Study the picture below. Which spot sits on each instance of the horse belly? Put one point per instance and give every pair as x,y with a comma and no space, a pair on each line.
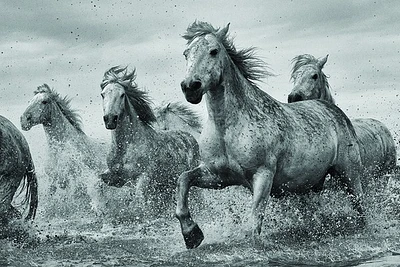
301,170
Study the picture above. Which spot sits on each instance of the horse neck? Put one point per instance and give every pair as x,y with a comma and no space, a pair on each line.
59,129
235,97
326,95
131,130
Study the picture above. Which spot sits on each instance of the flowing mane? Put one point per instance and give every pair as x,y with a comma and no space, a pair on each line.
251,67
64,103
138,98
306,59
188,116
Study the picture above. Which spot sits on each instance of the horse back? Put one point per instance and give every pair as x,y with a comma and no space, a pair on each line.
319,126
378,149
179,147
318,115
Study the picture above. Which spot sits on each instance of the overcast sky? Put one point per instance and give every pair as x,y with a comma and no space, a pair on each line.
69,44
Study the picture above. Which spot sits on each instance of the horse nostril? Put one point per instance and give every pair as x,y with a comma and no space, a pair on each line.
195,85
294,98
114,119
297,98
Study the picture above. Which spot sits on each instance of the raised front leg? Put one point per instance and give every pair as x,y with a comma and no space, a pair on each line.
202,177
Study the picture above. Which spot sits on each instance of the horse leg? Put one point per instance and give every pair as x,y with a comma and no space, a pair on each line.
8,186
262,184
351,181
202,177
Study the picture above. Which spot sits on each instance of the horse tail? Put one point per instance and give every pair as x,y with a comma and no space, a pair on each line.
31,195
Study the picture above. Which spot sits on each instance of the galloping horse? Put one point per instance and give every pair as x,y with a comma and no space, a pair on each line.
16,166
377,146
141,156
250,139
67,142
176,116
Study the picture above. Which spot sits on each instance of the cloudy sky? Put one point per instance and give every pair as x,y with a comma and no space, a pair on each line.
69,45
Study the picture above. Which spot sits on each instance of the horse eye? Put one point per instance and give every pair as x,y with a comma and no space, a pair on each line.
44,102
315,76
214,52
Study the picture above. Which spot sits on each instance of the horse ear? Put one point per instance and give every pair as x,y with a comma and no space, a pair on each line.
224,31
322,62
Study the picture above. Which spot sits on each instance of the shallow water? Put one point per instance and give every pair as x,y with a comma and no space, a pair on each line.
86,224
298,231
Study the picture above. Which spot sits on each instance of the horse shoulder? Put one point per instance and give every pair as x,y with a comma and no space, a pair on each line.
14,149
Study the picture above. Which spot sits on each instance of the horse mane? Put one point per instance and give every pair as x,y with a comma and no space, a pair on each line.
307,59
187,115
64,103
251,67
138,98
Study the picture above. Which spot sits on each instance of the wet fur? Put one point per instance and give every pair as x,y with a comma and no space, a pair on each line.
16,167
377,146
251,139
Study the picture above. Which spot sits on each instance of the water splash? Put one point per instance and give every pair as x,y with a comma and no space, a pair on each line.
87,223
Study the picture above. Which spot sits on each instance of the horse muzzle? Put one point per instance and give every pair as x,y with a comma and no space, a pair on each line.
110,121
295,98
192,91
26,123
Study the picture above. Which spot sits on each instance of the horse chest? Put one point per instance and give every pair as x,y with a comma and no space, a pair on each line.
240,147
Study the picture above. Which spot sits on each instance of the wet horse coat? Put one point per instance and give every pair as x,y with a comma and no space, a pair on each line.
377,146
251,139
176,116
16,167
69,146
141,156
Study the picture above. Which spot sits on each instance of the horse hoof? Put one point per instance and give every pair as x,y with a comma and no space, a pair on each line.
193,237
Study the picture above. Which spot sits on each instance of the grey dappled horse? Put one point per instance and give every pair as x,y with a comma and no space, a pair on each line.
140,155
16,168
377,146
250,139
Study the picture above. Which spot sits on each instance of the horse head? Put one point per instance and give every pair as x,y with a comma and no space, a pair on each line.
113,96
210,56
121,97
308,79
38,110
204,55
47,107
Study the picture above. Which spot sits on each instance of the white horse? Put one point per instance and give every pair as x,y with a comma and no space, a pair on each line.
377,146
70,148
140,155
250,139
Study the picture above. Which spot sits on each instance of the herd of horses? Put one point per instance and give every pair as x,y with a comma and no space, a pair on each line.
249,138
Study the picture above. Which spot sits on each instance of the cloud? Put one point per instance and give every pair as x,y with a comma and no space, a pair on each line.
69,44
